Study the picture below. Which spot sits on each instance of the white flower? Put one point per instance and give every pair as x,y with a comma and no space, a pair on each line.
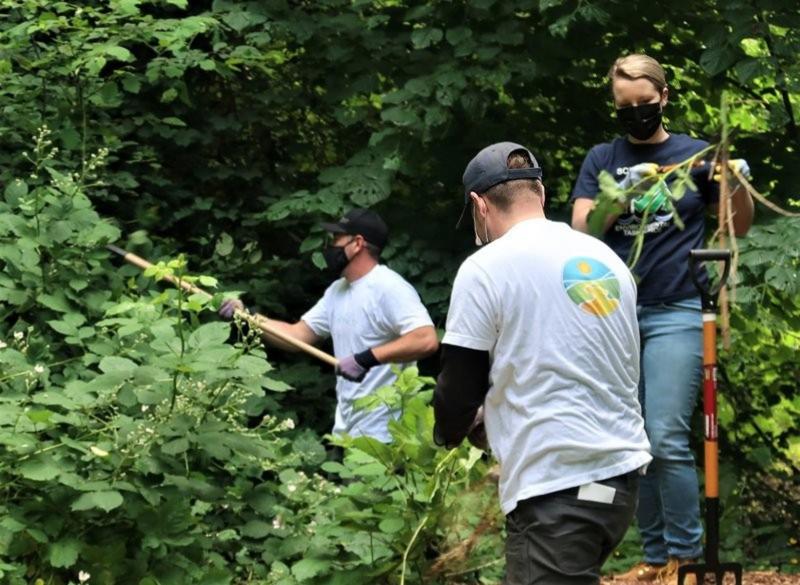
289,424
18,334
145,407
277,523
83,576
3,344
291,487
98,451
38,368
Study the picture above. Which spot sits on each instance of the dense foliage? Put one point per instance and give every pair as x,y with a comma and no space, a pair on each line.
141,444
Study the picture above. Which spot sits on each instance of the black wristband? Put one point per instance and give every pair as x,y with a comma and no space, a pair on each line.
366,359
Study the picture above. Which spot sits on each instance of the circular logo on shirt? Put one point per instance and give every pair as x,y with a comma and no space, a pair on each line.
591,285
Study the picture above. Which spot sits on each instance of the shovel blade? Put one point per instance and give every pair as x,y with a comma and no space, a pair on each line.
718,570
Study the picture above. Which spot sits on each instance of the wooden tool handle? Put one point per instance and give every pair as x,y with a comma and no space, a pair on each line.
256,320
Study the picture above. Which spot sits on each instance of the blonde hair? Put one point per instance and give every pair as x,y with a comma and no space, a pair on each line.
638,66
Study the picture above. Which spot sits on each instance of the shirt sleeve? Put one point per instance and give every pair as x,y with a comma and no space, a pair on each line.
460,390
588,186
317,318
405,311
471,321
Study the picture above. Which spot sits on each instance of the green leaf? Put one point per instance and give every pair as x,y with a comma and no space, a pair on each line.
176,447
117,365
257,529
119,53
15,190
105,500
422,38
210,335
64,553
39,469
128,7
178,3
173,121
717,59
224,245
169,96
306,569
391,525
56,301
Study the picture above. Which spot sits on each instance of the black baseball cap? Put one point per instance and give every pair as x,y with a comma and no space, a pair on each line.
490,168
363,222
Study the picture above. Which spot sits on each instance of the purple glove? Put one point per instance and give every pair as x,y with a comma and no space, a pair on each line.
229,307
355,367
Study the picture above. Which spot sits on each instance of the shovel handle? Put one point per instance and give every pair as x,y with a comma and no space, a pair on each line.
699,257
256,320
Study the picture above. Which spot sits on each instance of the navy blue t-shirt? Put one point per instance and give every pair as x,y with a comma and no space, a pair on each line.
663,267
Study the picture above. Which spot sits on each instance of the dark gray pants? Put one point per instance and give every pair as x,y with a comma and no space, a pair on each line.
558,539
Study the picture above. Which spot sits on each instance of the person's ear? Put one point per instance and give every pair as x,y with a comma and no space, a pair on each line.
664,96
544,197
478,202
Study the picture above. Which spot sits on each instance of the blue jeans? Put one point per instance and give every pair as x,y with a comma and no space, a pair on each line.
669,494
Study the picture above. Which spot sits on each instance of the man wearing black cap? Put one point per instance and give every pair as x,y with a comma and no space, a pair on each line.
373,315
541,358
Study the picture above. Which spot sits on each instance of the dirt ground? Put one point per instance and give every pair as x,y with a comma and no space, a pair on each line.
751,578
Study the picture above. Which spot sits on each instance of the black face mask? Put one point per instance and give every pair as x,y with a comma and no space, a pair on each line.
336,259
641,122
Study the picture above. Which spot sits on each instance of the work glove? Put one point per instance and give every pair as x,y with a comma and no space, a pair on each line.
476,434
636,176
229,307
735,164
355,367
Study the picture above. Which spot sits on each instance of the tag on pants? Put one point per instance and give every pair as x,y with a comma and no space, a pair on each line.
597,492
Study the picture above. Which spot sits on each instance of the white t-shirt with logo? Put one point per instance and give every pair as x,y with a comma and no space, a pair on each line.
556,310
371,311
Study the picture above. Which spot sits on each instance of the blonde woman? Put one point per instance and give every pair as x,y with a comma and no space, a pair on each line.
670,324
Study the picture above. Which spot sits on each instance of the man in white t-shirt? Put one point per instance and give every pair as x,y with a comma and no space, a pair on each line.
374,317
542,338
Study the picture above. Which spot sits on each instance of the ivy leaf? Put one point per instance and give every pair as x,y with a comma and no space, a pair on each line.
105,500
64,553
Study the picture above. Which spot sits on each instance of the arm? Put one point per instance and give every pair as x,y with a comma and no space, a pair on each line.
460,391
414,345
582,208
299,330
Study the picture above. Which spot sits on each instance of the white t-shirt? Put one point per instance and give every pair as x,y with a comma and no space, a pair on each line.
556,309
371,311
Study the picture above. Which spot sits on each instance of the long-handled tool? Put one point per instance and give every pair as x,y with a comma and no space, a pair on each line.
255,320
708,296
